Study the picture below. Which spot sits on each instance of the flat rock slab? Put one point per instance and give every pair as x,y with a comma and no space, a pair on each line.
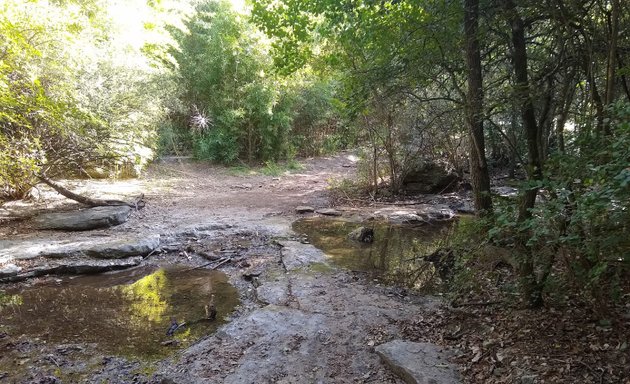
296,255
85,219
274,292
282,336
74,266
423,213
125,247
418,363
95,247
9,270
304,209
328,212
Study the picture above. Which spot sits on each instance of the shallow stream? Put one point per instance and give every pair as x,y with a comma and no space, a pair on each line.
395,256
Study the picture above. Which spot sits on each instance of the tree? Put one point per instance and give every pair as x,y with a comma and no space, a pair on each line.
75,91
397,52
474,115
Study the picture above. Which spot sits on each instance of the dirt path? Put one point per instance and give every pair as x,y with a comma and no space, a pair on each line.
301,320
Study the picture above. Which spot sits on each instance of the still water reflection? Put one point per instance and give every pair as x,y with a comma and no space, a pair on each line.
395,256
124,313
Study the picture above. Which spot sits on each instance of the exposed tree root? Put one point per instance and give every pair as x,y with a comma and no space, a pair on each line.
138,202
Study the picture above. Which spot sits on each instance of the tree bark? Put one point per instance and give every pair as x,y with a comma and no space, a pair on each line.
532,287
612,53
568,92
474,116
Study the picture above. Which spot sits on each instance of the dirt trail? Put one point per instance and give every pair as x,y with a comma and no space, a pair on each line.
301,320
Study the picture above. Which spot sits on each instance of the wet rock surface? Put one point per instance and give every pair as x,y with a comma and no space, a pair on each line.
76,266
325,333
418,363
85,219
296,255
87,246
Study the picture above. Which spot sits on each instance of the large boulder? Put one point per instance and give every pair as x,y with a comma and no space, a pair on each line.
85,219
428,178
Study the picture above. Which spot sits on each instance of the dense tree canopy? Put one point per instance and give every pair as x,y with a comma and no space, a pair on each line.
544,83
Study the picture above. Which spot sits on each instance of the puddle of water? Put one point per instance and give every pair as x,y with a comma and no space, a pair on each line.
126,313
393,256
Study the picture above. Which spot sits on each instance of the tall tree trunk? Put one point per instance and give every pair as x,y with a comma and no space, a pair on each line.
624,81
532,288
474,116
568,92
612,53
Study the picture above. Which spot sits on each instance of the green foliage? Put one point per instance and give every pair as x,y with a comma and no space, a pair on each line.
173,140
9,300
217,145
317,128
76,88
378,48
236,107
583,217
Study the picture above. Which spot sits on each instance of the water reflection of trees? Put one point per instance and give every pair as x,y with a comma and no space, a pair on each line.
148,298
396,256
7,300
121,312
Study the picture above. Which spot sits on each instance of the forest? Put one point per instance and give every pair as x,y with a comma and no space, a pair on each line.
534,94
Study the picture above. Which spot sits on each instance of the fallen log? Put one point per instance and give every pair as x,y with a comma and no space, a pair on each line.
137,204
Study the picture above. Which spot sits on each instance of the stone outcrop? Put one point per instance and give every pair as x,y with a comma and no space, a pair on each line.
421,214
362,234
85,219
429,178
304,209
95,247
328,212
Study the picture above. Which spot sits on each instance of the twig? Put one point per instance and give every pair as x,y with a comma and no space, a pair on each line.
153,252
476,303
52,358
221,263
